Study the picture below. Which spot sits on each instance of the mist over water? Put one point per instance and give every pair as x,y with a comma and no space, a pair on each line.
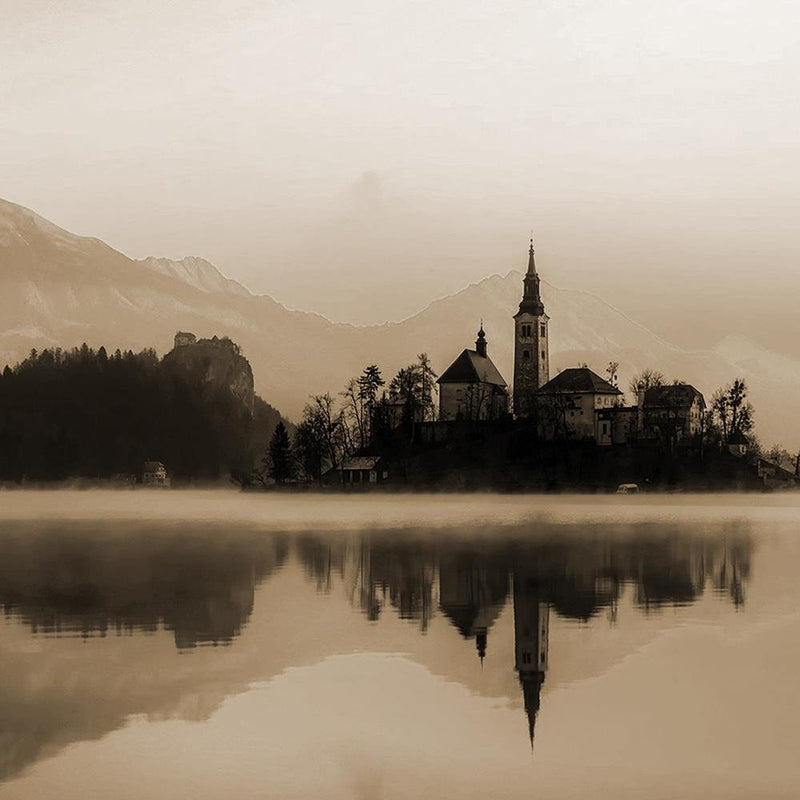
213,644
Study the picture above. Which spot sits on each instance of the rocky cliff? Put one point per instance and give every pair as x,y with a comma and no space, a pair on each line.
214,364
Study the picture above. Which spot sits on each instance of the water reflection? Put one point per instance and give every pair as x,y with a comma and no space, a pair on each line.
577,573
86,581
63,581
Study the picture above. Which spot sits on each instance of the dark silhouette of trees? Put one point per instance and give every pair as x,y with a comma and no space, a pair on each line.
414,387
732,411
85,413
321,440
280,466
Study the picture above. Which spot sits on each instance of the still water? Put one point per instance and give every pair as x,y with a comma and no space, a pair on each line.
212,644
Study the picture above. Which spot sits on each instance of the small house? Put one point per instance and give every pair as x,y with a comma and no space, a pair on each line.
738,444
358,471
154,473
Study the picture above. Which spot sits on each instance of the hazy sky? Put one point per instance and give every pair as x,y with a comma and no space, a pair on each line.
360,158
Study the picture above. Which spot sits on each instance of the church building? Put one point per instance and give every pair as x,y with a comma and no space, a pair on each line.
472,388
531,351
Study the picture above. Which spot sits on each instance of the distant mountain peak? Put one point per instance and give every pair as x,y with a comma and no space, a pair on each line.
18,223
197,272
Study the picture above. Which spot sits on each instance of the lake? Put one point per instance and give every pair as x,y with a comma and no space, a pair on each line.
192,644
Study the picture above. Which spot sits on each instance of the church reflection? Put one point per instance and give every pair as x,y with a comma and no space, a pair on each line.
531,635
575,576
201,583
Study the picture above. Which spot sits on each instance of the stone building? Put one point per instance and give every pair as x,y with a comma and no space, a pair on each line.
183,339
531,350
472,388
676,410
577,404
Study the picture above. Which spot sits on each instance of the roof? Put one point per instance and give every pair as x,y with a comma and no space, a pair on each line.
737,437
472,367
153,466
676,394
576,381
780,471
360,462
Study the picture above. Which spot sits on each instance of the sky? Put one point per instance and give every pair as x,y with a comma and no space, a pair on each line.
362,158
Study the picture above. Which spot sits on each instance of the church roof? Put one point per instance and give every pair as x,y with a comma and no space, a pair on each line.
471,367
467,618
578,380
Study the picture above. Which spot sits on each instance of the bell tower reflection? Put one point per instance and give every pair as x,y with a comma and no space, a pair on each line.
531,635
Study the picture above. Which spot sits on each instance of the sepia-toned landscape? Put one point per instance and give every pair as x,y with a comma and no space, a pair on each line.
399,400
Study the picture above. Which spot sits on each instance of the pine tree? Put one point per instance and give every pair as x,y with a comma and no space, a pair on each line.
280,459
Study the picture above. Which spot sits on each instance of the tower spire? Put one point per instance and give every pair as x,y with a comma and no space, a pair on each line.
531,260
531,361
531,299
480,342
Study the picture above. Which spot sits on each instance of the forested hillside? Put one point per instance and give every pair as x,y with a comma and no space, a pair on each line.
86,413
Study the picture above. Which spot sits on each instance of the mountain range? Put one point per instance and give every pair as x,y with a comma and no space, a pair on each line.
58,289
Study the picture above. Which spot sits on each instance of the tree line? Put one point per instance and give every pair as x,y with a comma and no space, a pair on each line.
85,413
360,420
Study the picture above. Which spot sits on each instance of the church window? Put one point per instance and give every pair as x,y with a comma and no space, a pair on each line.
542,330
526,355
542,355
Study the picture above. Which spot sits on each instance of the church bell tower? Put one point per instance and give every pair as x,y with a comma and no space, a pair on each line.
531,642
531,352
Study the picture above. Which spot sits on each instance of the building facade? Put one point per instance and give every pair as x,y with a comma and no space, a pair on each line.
577,404
531,343
472,388
676,410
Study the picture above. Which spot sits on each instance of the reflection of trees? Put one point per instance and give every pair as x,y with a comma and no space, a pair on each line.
573,572
578,572
81,582
403,574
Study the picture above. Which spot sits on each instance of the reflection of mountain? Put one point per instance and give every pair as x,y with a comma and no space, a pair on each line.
200,587
199,583
575,574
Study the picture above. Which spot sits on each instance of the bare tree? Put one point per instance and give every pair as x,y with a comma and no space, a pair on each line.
644,380
721,412
414,387
476,399
324,429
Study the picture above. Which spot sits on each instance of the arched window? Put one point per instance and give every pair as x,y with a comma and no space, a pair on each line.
543,330
525,355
